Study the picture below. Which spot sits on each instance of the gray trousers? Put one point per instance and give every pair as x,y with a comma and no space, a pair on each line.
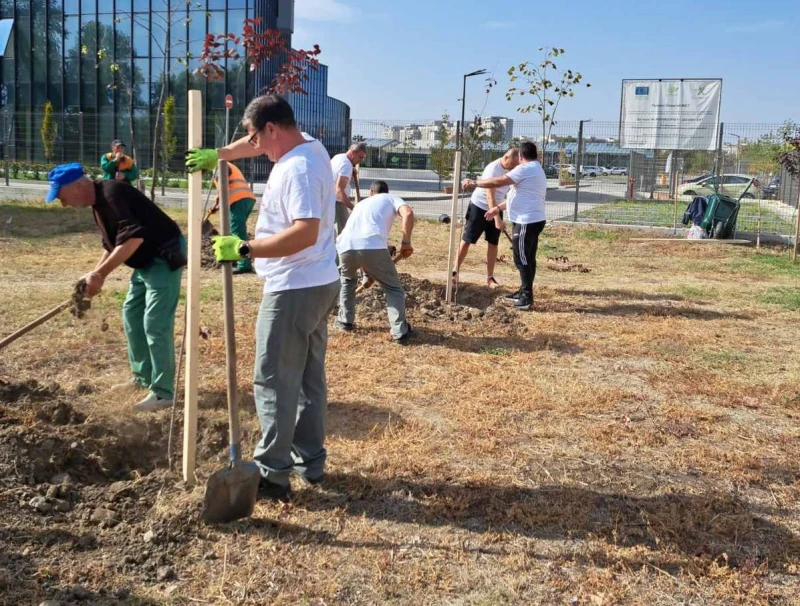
342,215
378,265
289,386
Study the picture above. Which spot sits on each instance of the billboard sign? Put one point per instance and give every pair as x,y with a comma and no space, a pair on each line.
670,114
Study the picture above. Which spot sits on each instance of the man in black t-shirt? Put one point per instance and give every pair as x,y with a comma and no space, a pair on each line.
138,233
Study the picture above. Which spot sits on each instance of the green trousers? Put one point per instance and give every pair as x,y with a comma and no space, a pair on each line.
148,317
240,211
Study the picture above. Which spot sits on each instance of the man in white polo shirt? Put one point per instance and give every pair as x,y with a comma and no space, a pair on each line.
526,209
363,245
343,166
477,224
294,253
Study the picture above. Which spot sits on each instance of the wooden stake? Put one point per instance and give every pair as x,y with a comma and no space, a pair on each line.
192,337
451,255
796,233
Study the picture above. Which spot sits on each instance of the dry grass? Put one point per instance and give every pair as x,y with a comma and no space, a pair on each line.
635,440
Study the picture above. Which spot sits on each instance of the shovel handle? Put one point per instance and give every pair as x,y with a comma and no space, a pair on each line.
230,333
37,322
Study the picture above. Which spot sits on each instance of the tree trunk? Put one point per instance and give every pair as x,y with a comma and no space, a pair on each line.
157,126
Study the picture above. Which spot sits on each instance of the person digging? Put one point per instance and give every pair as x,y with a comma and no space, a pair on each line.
241,201
137,233
294,254
363,245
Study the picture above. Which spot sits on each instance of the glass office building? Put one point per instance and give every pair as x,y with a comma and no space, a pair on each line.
103,63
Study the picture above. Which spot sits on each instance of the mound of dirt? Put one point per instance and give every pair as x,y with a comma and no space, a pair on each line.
77,486
424,304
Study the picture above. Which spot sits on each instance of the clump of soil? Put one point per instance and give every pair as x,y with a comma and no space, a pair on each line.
425,302
562,264
81,488
79,302
207,257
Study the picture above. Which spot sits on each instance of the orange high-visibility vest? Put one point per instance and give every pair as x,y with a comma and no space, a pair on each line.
122,165
238,188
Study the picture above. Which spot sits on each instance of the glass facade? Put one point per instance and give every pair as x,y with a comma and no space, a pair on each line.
103,65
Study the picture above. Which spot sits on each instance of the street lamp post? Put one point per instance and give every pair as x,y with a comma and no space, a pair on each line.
738,152
459,131
451,256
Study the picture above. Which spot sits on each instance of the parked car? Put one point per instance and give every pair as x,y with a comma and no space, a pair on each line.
606,171
551,171
730,185
592,171
770,190
696,179
619,170
571,171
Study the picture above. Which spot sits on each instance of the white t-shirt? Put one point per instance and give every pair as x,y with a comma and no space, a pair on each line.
342,167
300,186
526,199
370,223
493,169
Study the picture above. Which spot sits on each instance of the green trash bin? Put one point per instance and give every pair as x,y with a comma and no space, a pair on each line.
719,219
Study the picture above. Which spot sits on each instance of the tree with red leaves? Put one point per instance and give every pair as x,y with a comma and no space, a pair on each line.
259,46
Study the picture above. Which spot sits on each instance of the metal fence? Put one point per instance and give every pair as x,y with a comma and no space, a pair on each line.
591,179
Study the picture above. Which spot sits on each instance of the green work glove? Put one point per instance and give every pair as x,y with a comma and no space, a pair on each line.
226,248
201,159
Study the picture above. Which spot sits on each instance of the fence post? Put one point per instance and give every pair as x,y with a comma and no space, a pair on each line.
578,161
80,137
720,154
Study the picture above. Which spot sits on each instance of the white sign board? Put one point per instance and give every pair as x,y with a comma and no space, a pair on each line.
670,114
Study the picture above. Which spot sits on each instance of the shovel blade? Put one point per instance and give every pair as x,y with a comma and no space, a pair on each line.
231,493
208,229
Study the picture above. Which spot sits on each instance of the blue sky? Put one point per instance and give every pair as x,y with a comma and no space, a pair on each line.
404,59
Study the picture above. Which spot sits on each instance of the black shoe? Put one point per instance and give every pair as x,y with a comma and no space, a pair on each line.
344,326
513,296
407,336
274,492
523,303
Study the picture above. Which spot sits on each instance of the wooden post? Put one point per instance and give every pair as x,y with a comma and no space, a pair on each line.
451,255
796,233
192,337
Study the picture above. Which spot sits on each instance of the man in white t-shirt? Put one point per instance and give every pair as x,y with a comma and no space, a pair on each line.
363,245
526,209
294,253
343,166
477,224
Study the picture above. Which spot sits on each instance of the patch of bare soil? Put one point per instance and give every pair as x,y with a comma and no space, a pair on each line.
476,305
75,488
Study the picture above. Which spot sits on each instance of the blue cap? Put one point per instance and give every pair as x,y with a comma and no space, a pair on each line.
62,175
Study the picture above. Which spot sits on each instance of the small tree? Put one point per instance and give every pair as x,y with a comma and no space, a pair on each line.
472,142
169,141
49,131
546,92
441,155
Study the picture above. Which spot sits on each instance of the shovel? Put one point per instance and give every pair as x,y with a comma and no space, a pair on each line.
230,492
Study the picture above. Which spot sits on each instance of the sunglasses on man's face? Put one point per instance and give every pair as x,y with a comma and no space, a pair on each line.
253,140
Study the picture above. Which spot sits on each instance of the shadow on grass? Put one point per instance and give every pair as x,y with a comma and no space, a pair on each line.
497,345
631,295
357,420
708,525
638,309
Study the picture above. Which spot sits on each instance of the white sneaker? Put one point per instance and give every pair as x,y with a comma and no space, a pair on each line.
152,403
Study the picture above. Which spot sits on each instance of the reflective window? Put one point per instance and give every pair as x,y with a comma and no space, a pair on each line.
141,39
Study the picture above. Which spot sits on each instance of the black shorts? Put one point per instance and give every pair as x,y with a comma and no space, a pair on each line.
477,225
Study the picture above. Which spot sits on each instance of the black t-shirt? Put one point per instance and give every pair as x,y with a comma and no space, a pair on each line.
123,212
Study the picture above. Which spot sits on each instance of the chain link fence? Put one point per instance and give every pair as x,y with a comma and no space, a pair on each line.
591,179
